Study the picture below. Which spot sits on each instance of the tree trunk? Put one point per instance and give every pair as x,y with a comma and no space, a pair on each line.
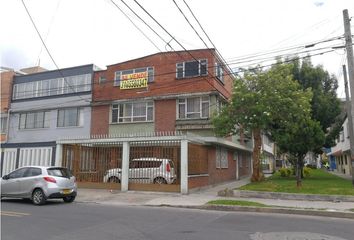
257,173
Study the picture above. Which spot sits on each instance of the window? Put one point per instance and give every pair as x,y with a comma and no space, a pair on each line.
102,79
118,74
52,87
32,172
193,108
221,158
32,120
3,123
59,172
219,71
18,173
192,69
69,117
132,112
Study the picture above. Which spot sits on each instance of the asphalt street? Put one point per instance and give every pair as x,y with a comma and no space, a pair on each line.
87,221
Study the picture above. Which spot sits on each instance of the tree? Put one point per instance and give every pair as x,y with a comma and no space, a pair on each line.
263,100
299,137
325,105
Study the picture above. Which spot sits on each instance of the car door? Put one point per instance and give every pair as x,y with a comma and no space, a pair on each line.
10,185
29,180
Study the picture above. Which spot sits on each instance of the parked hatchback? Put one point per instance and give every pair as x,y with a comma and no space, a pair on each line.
39,184
145,170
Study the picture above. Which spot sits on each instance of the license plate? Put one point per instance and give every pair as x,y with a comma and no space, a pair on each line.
66,191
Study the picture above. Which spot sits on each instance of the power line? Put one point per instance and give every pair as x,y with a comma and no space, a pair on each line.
44,91
45,46
141,31
201,27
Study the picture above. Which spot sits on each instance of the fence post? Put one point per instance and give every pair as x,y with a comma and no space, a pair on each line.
184,166
125,167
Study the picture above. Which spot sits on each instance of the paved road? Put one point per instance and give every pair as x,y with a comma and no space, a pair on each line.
87,221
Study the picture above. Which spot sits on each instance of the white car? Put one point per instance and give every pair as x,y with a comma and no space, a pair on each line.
39,184
145,170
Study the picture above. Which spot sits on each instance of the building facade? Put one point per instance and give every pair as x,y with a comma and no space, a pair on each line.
45,107
341,151
6,79
167,93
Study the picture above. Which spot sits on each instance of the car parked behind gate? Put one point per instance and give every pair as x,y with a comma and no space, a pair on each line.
39,184
145,170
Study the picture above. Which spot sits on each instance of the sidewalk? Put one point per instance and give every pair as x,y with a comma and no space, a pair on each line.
198,199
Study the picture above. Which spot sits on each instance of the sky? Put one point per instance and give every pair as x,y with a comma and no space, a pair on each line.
78,32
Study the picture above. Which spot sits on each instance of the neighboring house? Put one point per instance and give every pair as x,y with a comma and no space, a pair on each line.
268,154
159,102
45,107
341,151
6,77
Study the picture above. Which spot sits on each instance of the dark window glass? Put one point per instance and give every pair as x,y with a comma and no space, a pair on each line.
191,69
32,172
18,173
59,172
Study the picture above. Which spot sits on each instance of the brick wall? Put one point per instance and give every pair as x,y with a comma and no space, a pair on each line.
217,175
100,120
165,115
165,81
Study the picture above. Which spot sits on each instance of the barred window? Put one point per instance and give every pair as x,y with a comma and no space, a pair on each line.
221,158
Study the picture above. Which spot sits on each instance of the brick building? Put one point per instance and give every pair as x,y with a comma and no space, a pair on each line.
172,92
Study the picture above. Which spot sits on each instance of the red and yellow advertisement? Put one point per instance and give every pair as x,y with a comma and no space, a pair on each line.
134,80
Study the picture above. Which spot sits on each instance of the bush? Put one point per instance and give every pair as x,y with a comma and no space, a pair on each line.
311,166
285,172
307,171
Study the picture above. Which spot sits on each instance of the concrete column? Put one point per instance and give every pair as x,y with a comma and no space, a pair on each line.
59,155
184,167
125,167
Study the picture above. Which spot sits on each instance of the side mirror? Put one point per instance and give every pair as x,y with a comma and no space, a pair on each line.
6,177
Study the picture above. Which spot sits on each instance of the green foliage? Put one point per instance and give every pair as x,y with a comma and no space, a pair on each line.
319,182
263,100
307,172
237,203
325,106
285,172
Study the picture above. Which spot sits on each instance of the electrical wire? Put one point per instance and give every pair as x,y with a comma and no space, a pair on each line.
44,44
141,31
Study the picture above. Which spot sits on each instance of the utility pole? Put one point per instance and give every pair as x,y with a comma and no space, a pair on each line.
349,115
350,59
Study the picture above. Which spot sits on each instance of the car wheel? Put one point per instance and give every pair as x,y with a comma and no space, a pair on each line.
38,197
160,180
69,199
114,180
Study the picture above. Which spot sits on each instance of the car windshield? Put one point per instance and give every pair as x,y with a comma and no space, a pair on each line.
59,172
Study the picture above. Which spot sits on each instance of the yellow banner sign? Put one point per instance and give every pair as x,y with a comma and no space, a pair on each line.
134,80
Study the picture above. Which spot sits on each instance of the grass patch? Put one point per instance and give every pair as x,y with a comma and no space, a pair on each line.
320,182
237,203
352,209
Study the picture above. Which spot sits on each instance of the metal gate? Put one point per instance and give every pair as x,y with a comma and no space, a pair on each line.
153,165
94,166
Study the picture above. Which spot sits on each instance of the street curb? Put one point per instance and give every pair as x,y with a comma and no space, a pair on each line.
306,212
292,196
